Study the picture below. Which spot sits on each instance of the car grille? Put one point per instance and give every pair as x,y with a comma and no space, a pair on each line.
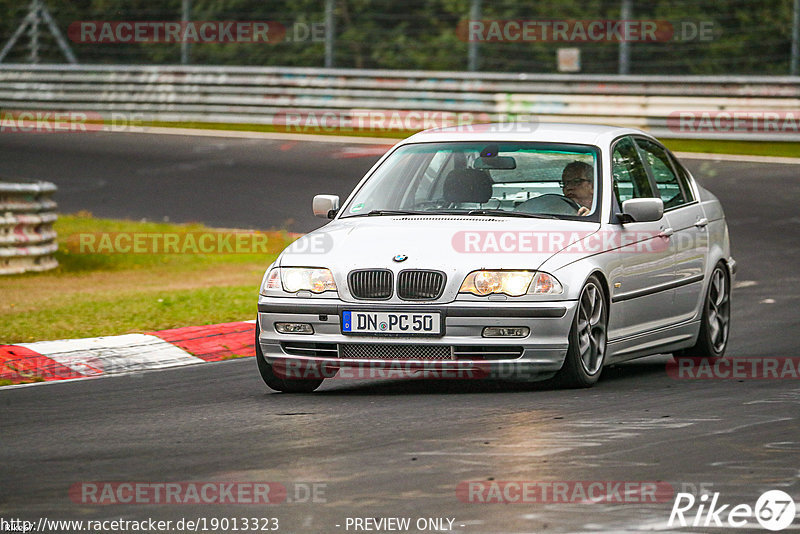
385,351
420,285
373,284
311,350
486,352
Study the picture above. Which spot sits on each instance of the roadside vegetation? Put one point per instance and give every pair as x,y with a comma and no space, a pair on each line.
710,146
111,292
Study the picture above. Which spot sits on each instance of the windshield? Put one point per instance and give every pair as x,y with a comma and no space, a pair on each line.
509,178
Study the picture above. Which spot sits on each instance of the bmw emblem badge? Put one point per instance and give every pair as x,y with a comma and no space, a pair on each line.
400,257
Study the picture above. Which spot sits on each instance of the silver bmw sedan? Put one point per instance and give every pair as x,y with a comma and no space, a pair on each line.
512,251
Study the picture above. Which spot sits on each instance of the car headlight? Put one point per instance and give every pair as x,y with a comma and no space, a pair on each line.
294,279
511,283
545,284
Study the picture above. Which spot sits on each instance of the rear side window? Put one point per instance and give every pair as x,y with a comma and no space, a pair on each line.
669,189
684,179
628,173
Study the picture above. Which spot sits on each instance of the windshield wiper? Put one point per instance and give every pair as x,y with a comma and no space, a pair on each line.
500,212
392,212
509,213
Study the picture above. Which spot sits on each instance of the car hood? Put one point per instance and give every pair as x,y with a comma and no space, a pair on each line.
446,243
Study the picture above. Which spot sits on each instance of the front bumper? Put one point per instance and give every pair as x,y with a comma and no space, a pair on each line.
539,354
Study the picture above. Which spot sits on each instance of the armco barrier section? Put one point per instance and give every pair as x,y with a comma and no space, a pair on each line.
27,238
264,95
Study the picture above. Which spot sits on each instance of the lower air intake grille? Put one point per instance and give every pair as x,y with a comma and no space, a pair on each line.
385,351
486,352
312,350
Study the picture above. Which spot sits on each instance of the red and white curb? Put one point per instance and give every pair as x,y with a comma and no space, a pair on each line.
71,359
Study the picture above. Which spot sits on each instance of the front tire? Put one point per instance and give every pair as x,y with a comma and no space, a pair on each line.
271,379
587,339
715,322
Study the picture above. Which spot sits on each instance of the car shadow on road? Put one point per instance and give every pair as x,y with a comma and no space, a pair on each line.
649,369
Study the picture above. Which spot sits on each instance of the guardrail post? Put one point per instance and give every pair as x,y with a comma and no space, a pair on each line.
330,31
794,64
624,44
27,238
473,51
186,14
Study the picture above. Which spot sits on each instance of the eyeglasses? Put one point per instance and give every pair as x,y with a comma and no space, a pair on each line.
574,182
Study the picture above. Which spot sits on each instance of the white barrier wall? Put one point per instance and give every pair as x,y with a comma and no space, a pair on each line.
27,238
267,95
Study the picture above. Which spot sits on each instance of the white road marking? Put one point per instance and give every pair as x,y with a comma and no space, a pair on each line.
236,134
391,141
113,355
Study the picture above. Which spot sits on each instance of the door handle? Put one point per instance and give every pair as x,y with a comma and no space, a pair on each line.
666,232
701,222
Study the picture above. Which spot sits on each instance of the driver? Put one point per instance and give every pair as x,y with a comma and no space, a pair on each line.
577,182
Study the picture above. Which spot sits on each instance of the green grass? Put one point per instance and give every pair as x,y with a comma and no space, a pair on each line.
119,312
118,293
239,127
73,259
751,148
711,146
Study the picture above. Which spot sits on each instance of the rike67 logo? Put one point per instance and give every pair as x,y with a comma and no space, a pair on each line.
774,510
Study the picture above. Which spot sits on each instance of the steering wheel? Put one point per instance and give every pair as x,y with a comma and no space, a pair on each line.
550,203
428,205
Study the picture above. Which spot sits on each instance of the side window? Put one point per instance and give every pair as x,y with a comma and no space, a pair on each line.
429,177
669,189
629,177
684,179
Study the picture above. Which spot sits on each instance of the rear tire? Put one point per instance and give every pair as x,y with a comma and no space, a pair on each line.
716,319
587,339
271,379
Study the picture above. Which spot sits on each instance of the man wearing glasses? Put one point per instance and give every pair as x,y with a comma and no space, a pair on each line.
577,182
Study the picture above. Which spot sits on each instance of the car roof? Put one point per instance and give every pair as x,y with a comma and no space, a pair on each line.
550,132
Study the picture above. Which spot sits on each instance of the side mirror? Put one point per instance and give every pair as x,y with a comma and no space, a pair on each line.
642,210
325,206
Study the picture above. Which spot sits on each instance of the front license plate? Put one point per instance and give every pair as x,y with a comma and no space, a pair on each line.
399,323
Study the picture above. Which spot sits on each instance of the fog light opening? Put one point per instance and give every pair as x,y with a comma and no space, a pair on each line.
506,331
294,328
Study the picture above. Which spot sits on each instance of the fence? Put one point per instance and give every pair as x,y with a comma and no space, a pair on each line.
710,37
27,238
119,95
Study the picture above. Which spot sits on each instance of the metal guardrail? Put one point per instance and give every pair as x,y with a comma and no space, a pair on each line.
264,95
27,238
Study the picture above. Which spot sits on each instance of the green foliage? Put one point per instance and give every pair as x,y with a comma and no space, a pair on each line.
747,37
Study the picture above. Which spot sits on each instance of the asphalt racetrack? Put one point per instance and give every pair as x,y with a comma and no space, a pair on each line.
381,449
